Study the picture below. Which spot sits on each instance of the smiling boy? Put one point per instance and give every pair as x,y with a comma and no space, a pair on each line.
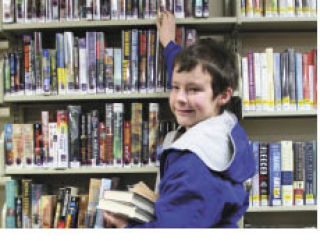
208,158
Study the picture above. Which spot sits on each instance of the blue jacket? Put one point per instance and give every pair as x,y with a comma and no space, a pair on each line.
202,172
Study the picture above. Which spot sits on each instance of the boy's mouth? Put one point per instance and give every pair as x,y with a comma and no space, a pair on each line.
185,112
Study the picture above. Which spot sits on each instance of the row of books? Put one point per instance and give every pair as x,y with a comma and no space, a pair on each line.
286,174
285,81
74,10
80,65
34,205
78,139
278,8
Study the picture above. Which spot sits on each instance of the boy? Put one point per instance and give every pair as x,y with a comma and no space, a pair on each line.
206,161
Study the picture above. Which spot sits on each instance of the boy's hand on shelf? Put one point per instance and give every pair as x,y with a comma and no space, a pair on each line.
167,27
113,220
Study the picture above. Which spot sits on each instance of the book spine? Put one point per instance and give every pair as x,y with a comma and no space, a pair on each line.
255,179
191,36
179,9
18,212
105,185
206,10
151,40
270,81
55,10
26,203
127,143
89,139
83,139
62,131
292,78
17,145
10,194
145,143
100,55
91,63
298,174
69,61
12,72
76,65
263,174
109,134
58,210
45,136
95,138
146,9
277,81
126,60
153,132
83,204
74,114
122,8
8,11
38,57
53,145
252,94
249,8
36,192
6,71
135,60
142,61
108,69
62,85
310,180
257,81
105,9
118,134
76,10
114,10
117,70
38,145
53,72
198,8
28,147
48,203
287,173
275,174
245,84
72,212
83,71
89,9
45,73
136,133
96,10
284,58
102,144
135,9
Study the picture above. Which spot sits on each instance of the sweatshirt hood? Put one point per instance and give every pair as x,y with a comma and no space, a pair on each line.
221,143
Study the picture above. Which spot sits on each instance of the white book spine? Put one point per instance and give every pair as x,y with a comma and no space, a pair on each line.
290,8
249,8
269,55
53,145
96,10
89,7
45,136
264,86
62,131
83,71
8,11
114,10
28,145
245,84
69,60
179,8
257,79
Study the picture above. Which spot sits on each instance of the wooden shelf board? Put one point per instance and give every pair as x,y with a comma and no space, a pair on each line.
83,170
83,97
282,209
257,114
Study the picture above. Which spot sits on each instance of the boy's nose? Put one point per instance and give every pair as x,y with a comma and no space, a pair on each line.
182,96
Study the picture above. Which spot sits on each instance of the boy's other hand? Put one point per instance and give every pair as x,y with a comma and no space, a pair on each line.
167,27
113,220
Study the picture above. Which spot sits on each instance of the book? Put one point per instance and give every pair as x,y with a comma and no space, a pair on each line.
142,189
287,173
130,197
125,210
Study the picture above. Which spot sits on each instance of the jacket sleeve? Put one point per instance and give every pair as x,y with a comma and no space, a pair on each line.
186,201
169,53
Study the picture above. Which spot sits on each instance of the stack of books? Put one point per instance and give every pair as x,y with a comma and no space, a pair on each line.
136,204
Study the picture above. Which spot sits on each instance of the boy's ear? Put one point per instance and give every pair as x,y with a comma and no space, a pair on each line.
225,97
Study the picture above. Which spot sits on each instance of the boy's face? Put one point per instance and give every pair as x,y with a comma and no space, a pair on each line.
191,97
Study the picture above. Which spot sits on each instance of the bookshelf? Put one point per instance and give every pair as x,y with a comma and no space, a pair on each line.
247,33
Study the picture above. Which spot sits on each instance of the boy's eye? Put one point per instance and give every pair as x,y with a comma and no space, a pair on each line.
175,87
194,89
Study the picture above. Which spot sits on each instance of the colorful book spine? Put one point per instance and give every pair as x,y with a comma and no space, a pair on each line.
38,145
28,145
118,134
72,212
109,134
94,191
105,185
17,146
53,72
45,71
91,40
142,61
58,209
102,144
61,75
252,94
151,54
62,131
108,69
275,174
74,114
83,139
48,204
127,143
10,195
45,136
135,60
36,192
153,132
83,204
69,60
126,60
287,173
136,133
26,203
38,57
100,63
310,178
245,84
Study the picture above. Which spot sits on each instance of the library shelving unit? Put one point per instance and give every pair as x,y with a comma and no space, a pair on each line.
244,34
